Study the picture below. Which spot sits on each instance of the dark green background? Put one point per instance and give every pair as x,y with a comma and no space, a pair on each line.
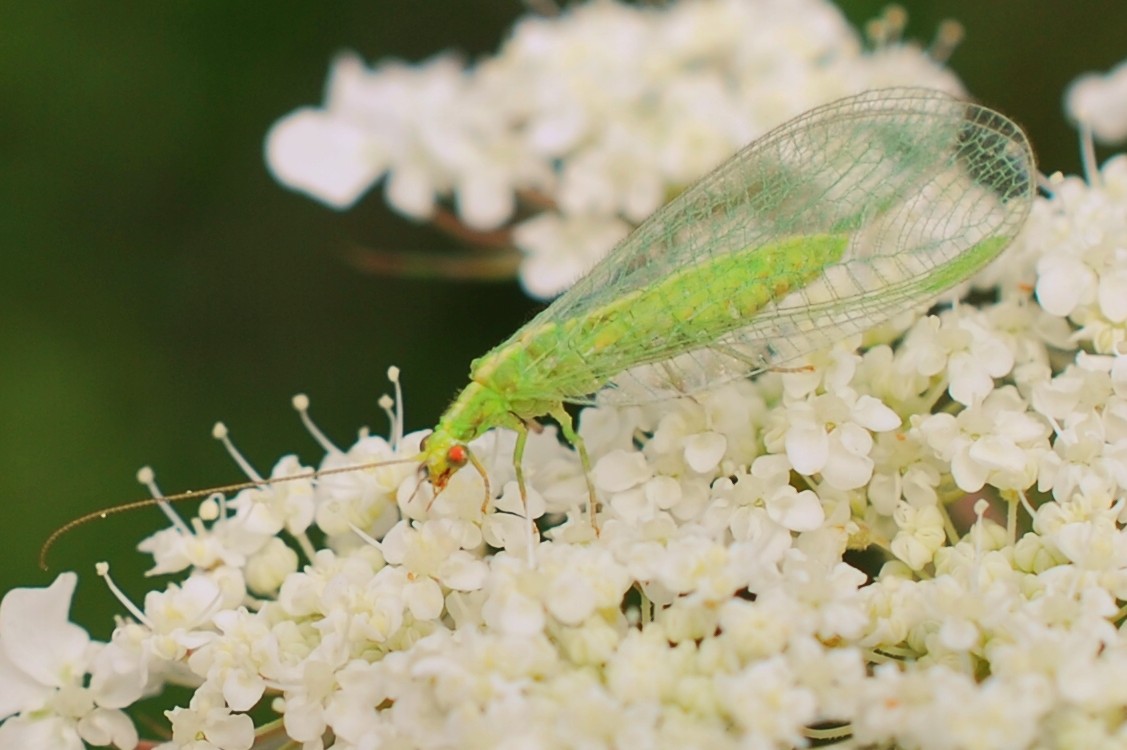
155,279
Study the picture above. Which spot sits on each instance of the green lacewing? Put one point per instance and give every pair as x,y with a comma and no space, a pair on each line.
826,226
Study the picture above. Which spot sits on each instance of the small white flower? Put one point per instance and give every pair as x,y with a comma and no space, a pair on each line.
920,534
226,542
233,664
830,434
828,590
997,441
207,725
433,555
962,345
362,499
904,469
287,504
178,619
269,567
616,175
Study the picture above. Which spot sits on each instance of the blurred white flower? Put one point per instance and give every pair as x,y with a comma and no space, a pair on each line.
560,249
45,661
1100,102
590,119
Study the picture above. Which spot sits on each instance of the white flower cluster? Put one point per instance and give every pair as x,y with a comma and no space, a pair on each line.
918,546
582,124
979,461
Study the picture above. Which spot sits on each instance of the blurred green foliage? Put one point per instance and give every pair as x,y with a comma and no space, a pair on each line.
155,279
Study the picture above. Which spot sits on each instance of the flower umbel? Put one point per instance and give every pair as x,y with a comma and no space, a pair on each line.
912,541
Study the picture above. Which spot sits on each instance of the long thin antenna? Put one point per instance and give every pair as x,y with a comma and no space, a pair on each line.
114,510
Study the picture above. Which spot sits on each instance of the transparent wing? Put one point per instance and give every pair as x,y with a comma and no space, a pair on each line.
925,189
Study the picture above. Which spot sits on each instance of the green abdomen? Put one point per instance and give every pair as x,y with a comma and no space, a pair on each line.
686,310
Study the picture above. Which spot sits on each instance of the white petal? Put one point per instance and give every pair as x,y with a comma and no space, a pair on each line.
807,448
883,493
797,511
485,199
530,506
37,636
996,358
1113,295
21,692
241,690
847,471
969,382
410,190
968,474
235,732
871,413
663,492
463,572
958,634
997,452
1119,374
1020,427
555,131
545,275
704,450
118,677
940,431
1061,285
423,597
396,542
323,156
514,614
52,732
620,470
104,726
853,438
